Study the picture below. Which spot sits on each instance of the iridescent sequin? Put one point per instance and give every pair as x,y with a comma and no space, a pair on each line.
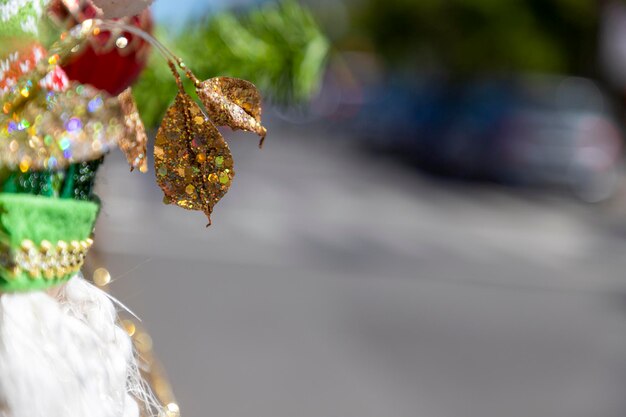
47,260
52,130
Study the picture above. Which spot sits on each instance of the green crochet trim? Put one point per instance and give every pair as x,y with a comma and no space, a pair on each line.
35,218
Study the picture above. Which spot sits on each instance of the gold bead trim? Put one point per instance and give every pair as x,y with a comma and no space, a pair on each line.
49,261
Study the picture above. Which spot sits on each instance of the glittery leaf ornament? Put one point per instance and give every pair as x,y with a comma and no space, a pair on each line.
234,103
133,144
193,164
45,129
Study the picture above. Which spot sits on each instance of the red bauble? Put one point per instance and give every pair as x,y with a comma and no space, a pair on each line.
101,63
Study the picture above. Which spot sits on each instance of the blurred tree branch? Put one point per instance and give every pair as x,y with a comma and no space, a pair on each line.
465,37
279,47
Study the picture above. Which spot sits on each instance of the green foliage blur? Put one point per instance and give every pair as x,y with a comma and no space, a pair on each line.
279,47
470,36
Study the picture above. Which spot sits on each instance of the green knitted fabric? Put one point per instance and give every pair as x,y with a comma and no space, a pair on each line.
36,218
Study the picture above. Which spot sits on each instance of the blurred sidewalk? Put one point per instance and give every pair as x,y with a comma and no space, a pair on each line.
338,284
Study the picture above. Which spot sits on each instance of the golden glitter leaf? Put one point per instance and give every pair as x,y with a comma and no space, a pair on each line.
50,130
234,103
193,164
134,143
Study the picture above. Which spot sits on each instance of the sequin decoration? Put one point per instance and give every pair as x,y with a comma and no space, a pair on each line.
81,178
47,260
193,164
134,143
44,183
234,103
51,130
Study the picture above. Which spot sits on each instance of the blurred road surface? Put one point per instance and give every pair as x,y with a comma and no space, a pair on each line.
338,284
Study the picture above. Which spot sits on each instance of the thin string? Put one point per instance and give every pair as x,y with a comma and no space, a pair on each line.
165,52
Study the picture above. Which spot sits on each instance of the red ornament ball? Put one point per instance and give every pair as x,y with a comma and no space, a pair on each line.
112,60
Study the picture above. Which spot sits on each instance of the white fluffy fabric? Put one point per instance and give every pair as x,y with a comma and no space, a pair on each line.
121,8
66,357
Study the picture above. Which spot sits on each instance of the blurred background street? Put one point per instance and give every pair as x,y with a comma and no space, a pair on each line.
337,283
440,233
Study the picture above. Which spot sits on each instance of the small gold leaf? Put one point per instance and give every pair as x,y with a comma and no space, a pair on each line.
193,164
135,140
234,103
50,130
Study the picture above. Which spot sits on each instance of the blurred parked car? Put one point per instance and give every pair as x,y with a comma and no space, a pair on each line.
526,130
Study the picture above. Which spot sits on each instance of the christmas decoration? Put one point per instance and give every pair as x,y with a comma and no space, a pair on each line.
47,130
113,59
194,173
54,133
234,103
64,104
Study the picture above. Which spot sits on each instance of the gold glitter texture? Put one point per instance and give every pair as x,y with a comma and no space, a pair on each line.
47,260
42,129
50,130
186,154
234,103
133,144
